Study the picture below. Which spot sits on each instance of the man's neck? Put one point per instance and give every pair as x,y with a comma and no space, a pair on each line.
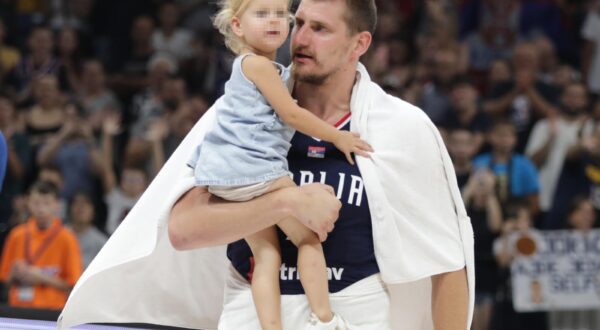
329,100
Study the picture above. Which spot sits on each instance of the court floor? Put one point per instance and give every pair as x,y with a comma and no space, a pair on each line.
22,324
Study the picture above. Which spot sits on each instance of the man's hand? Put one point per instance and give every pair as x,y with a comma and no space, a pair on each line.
316,207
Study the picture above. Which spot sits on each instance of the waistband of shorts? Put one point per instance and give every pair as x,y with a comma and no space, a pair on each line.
368,285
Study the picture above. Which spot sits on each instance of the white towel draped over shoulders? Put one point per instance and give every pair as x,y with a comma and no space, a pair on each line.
420,229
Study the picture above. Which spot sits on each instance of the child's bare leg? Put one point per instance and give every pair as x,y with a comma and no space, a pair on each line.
265,277
311,267
311,261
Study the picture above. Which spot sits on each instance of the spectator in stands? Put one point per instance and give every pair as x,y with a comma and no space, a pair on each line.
435,99
69,13
39,62
131,75
69,54
590,61
516,176
582,218
200,70
462,148
51,173
524,99
197,17
551,139
94,98
465,112
120,198
490,42
518,225
182,121
565,75
41,260
150,103
580,176
500,73
438,26
547,58
47,115
74,152
81,218
169,38
484,210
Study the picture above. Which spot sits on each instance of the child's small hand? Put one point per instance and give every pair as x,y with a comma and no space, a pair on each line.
349,142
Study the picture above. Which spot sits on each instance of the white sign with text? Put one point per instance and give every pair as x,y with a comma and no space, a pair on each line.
556,270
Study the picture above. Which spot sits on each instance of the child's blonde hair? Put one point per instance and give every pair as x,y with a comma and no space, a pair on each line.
222,21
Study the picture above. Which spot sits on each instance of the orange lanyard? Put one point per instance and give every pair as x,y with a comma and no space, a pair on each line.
31,258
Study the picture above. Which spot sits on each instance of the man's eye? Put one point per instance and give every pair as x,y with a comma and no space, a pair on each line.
281,14
261,13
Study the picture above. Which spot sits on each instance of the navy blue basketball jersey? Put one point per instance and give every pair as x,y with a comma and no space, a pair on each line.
349,252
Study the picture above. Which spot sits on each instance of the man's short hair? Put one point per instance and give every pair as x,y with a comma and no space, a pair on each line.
44,188
360,16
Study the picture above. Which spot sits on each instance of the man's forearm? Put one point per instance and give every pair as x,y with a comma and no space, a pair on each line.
199,219
450,300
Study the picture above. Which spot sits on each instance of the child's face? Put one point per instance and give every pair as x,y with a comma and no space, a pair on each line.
503,138
43,207
584,217
263,26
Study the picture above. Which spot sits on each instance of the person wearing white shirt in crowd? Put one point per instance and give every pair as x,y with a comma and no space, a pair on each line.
551,139
590,62
169,38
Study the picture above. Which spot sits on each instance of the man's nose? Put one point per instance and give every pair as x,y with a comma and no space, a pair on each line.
301,36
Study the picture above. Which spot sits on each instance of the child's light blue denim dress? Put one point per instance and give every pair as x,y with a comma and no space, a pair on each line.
248,143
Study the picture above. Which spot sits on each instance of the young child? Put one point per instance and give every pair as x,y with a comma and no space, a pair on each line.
41,260
244,156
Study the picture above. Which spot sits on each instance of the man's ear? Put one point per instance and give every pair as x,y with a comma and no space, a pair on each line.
362,43
236,27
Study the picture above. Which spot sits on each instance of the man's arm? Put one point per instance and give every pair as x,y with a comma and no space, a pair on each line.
450,300
200,219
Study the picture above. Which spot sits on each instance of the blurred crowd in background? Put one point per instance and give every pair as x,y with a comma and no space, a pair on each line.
96,95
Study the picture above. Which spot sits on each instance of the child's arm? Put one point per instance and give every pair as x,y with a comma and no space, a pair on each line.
263,74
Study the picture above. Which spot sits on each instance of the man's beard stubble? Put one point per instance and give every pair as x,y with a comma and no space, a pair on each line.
311,79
